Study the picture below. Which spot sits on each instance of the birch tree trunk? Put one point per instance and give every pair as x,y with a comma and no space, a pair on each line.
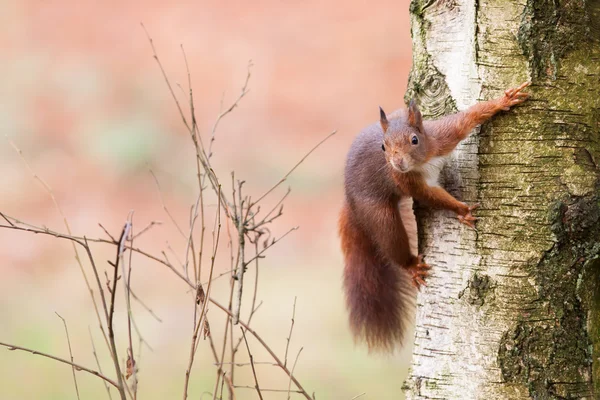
512,310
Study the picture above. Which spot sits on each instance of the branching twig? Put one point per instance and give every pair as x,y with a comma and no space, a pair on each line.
76,366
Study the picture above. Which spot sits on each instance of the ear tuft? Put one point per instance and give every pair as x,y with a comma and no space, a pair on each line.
383,120
414,115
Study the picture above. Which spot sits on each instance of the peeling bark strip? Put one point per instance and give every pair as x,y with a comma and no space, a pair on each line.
512,311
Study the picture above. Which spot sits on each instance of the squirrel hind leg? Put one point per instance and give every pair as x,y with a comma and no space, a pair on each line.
379,295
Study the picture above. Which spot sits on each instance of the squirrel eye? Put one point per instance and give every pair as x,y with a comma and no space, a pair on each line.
414,140
383,147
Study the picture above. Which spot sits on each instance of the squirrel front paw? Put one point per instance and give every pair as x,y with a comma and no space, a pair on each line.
419,271
466,217
512,97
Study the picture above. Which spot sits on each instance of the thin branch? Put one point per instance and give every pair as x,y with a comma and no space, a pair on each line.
270,245
162,200
293,368
146,229
252,364
113,293
150,311
202,319
68,227
98,362
190,239
358,395
174,270
287,346
248,364
229,385
253,308
241,227
294,168
70,353
267,390
131,366
77,366
155,55
107,233
244,91
6,219
201,156
267,348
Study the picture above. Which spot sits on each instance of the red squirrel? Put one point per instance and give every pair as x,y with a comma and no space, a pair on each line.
388,162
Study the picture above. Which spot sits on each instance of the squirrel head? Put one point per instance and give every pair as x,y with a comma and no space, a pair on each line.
404,140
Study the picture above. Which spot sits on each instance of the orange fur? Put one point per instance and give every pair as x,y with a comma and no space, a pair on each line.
377,225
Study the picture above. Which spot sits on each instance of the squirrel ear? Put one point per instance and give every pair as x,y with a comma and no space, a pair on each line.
383,120
414,115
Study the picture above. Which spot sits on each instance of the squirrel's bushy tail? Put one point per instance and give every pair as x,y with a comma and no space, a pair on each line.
379,294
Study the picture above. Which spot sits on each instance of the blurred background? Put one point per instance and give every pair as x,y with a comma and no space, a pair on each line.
85,102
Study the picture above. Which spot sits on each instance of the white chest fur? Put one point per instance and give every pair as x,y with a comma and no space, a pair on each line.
431,170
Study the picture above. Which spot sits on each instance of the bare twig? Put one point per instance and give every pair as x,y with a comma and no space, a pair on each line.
358,395
241,227
162,201
150,311
77,366
110,317
191,284
107,233
6,219
222,114
252,364
202,318
259,255
155,55
266,347
68,227
131,365
293,368
248,364
229,385
267,390
287,346
146,229
70,352
293,168
98,362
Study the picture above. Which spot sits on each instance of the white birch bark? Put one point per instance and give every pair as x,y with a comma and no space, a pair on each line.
509,311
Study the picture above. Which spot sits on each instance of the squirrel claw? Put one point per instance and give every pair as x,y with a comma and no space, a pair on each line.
514,96
468,218
419,272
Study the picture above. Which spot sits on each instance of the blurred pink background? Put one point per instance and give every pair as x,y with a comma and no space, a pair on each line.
85,101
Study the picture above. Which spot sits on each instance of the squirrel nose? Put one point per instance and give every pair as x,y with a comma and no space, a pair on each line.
403,165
